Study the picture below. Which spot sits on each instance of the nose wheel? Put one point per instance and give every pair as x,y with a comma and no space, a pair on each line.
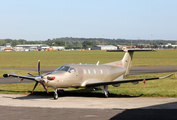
55,94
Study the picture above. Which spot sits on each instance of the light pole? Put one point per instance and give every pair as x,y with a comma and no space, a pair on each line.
152,40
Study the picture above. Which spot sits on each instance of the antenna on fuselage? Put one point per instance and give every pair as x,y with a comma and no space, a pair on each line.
98,63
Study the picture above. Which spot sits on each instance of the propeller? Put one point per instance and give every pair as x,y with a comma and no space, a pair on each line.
39,76
35,86
43,86
30,74
38,67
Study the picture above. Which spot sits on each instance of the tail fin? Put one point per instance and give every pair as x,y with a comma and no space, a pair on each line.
126,60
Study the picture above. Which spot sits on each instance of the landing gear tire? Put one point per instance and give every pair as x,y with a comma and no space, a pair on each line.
55,96
106,94
105,91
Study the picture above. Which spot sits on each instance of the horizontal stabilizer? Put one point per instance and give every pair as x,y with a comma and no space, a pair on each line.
131,50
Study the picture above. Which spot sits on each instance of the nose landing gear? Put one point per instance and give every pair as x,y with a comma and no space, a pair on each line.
56,92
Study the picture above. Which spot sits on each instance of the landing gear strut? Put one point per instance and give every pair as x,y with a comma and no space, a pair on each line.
55,94
105,90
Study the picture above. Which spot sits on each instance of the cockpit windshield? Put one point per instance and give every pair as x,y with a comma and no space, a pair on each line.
58,68
62,68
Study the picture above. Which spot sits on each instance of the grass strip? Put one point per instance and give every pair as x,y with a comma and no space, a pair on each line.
58,58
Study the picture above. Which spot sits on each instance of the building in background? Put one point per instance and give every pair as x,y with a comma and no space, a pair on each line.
33,47
144,46
168,45
2,48
18,49
58,48
8,47
104,47
123,47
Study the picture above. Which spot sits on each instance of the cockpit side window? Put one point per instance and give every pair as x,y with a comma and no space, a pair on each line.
72,70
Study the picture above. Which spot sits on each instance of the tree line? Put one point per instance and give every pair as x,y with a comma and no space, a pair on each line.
77,43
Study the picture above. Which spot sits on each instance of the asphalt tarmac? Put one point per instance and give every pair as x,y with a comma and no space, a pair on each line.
22,107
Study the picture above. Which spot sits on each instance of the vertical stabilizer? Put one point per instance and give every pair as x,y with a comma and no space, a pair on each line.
126,60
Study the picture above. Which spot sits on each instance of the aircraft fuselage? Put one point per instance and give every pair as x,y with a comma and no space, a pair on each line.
76,75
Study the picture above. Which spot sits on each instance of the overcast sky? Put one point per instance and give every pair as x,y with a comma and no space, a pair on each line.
126,19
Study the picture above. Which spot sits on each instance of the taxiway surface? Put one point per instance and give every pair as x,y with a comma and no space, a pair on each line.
31,107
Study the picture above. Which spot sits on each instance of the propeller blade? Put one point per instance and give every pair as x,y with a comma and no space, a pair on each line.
43,86
30,74
35,86
38,67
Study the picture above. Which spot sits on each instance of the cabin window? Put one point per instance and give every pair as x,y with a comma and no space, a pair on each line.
94,71
88,71
72,70
85,71
101,71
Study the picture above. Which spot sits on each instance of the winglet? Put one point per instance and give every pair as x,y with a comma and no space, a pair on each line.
12,73
98,63
166,76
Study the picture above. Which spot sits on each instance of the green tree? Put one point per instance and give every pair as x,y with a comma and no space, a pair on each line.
22,41
2,42
87,44
169,47
14,43
59,43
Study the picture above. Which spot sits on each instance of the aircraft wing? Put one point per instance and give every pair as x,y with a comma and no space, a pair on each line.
12,74
124,81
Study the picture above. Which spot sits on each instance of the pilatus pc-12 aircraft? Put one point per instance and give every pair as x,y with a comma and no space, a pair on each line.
86,76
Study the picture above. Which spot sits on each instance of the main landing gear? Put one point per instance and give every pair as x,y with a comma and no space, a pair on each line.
105,90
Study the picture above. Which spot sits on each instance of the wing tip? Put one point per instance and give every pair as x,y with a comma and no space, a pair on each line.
12,73
166,76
